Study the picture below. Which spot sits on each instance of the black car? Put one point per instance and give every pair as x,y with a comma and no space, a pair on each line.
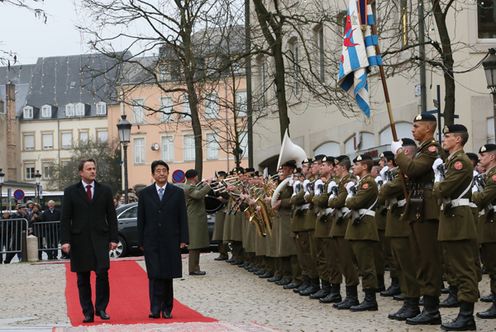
127,219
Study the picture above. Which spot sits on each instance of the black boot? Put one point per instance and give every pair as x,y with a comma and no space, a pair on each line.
369,302
409,309
399,297
464,321
381,287
430,314
304,284
284,281
452,300
323,292
488,298
275,278
266,275
292,285
259,272
489,313
313,288
350,300
392,290
334,296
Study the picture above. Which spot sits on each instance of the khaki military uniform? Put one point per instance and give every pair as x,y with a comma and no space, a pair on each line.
382,249
398,232
339,223
457,231
422,212
486,201
362,229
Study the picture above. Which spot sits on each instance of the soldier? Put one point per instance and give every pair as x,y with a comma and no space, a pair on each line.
235,231
422,212
457,231
338,230
397,232
486,227
362,229
220,216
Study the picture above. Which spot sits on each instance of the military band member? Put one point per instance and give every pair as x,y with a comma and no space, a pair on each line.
235,231
362,229
422,212
486,227
220,216
380,220
457,231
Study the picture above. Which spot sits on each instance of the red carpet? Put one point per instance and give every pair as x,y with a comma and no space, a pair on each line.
129,303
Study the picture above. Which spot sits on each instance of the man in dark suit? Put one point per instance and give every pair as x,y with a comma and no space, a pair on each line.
162,232
51,214
88,232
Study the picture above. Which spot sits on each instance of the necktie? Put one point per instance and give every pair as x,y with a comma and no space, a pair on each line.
88,191
161,193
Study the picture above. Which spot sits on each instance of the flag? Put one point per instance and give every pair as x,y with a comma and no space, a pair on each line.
358,54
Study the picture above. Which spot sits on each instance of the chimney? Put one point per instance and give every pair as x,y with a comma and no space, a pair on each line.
13,160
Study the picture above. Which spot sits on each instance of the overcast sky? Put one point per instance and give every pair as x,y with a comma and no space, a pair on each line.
26,35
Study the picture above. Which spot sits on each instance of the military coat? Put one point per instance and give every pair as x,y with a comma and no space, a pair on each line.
197,215
338,222
486,226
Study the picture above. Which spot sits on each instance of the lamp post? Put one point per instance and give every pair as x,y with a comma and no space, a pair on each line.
490,69
124,128
2,178
37,178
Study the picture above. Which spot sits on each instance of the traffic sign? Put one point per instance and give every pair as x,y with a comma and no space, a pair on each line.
178,176
18,194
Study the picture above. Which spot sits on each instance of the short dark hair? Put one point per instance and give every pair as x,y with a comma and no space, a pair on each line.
84,161
346,163
156,163
463,136
190,173
368,162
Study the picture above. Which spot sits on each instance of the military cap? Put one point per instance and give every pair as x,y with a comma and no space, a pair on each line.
329,159
424,116
249,170
454,128
289,163
388,155
340,158
307,161
297,170
473,157
408,142
191,173
221,173
487,148
362,157
238,170
319,157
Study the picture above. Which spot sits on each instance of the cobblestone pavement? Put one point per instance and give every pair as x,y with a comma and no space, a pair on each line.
32,298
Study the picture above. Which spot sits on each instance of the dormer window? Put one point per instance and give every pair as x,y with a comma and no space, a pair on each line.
69,110
101,108
46,111
27,112
80,109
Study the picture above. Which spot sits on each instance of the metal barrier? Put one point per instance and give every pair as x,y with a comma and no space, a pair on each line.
13,233
47,233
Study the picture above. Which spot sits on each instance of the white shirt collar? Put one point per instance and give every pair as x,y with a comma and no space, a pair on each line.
92,184
157,187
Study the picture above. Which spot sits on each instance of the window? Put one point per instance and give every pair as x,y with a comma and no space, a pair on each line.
186,108
47,140
404,129
243,143
84,136
189,147
27,112
66,138
138,111
328,148
212,106
262,76
241,103
359,141
101,135
295,64
404,22
139,150
130,213
80,109
101,108
46,111
212,147
490,130
168,148
319,42
47,169
28,141
69,110
486,18
166,108
29,171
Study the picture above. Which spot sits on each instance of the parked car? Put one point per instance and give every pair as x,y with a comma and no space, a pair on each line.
127,220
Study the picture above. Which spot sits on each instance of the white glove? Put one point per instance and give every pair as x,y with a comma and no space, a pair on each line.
395,145
438,176
382,173
348,187
316,187
475,188
331,185
295,186
379,180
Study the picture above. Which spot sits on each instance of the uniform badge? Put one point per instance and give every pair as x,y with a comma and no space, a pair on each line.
458,165
432,148
365,186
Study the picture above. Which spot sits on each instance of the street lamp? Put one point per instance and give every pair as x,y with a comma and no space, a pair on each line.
490,69
37,178
124,128
2,178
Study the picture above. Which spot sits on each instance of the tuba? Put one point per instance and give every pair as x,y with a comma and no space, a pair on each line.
290,151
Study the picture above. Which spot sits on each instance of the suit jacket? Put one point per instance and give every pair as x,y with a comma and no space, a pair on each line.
88,226
51,216
162,226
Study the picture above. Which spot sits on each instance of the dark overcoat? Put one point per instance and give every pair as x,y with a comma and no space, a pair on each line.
88,226
162,227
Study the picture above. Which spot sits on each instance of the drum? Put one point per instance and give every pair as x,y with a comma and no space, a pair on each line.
212,204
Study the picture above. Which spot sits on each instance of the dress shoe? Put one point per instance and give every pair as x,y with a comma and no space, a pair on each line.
154,316
197,273
275,278
167,314
88,319
292,285
284,281
102,314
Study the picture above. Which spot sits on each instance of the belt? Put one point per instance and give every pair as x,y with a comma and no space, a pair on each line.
304,207
402,202
366,212
329,211
460,202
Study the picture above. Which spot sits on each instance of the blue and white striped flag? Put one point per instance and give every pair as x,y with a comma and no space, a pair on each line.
358,55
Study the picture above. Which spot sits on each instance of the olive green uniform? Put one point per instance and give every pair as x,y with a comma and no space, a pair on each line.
422,212
457,231
362,229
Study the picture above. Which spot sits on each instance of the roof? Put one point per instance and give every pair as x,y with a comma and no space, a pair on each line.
20,76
